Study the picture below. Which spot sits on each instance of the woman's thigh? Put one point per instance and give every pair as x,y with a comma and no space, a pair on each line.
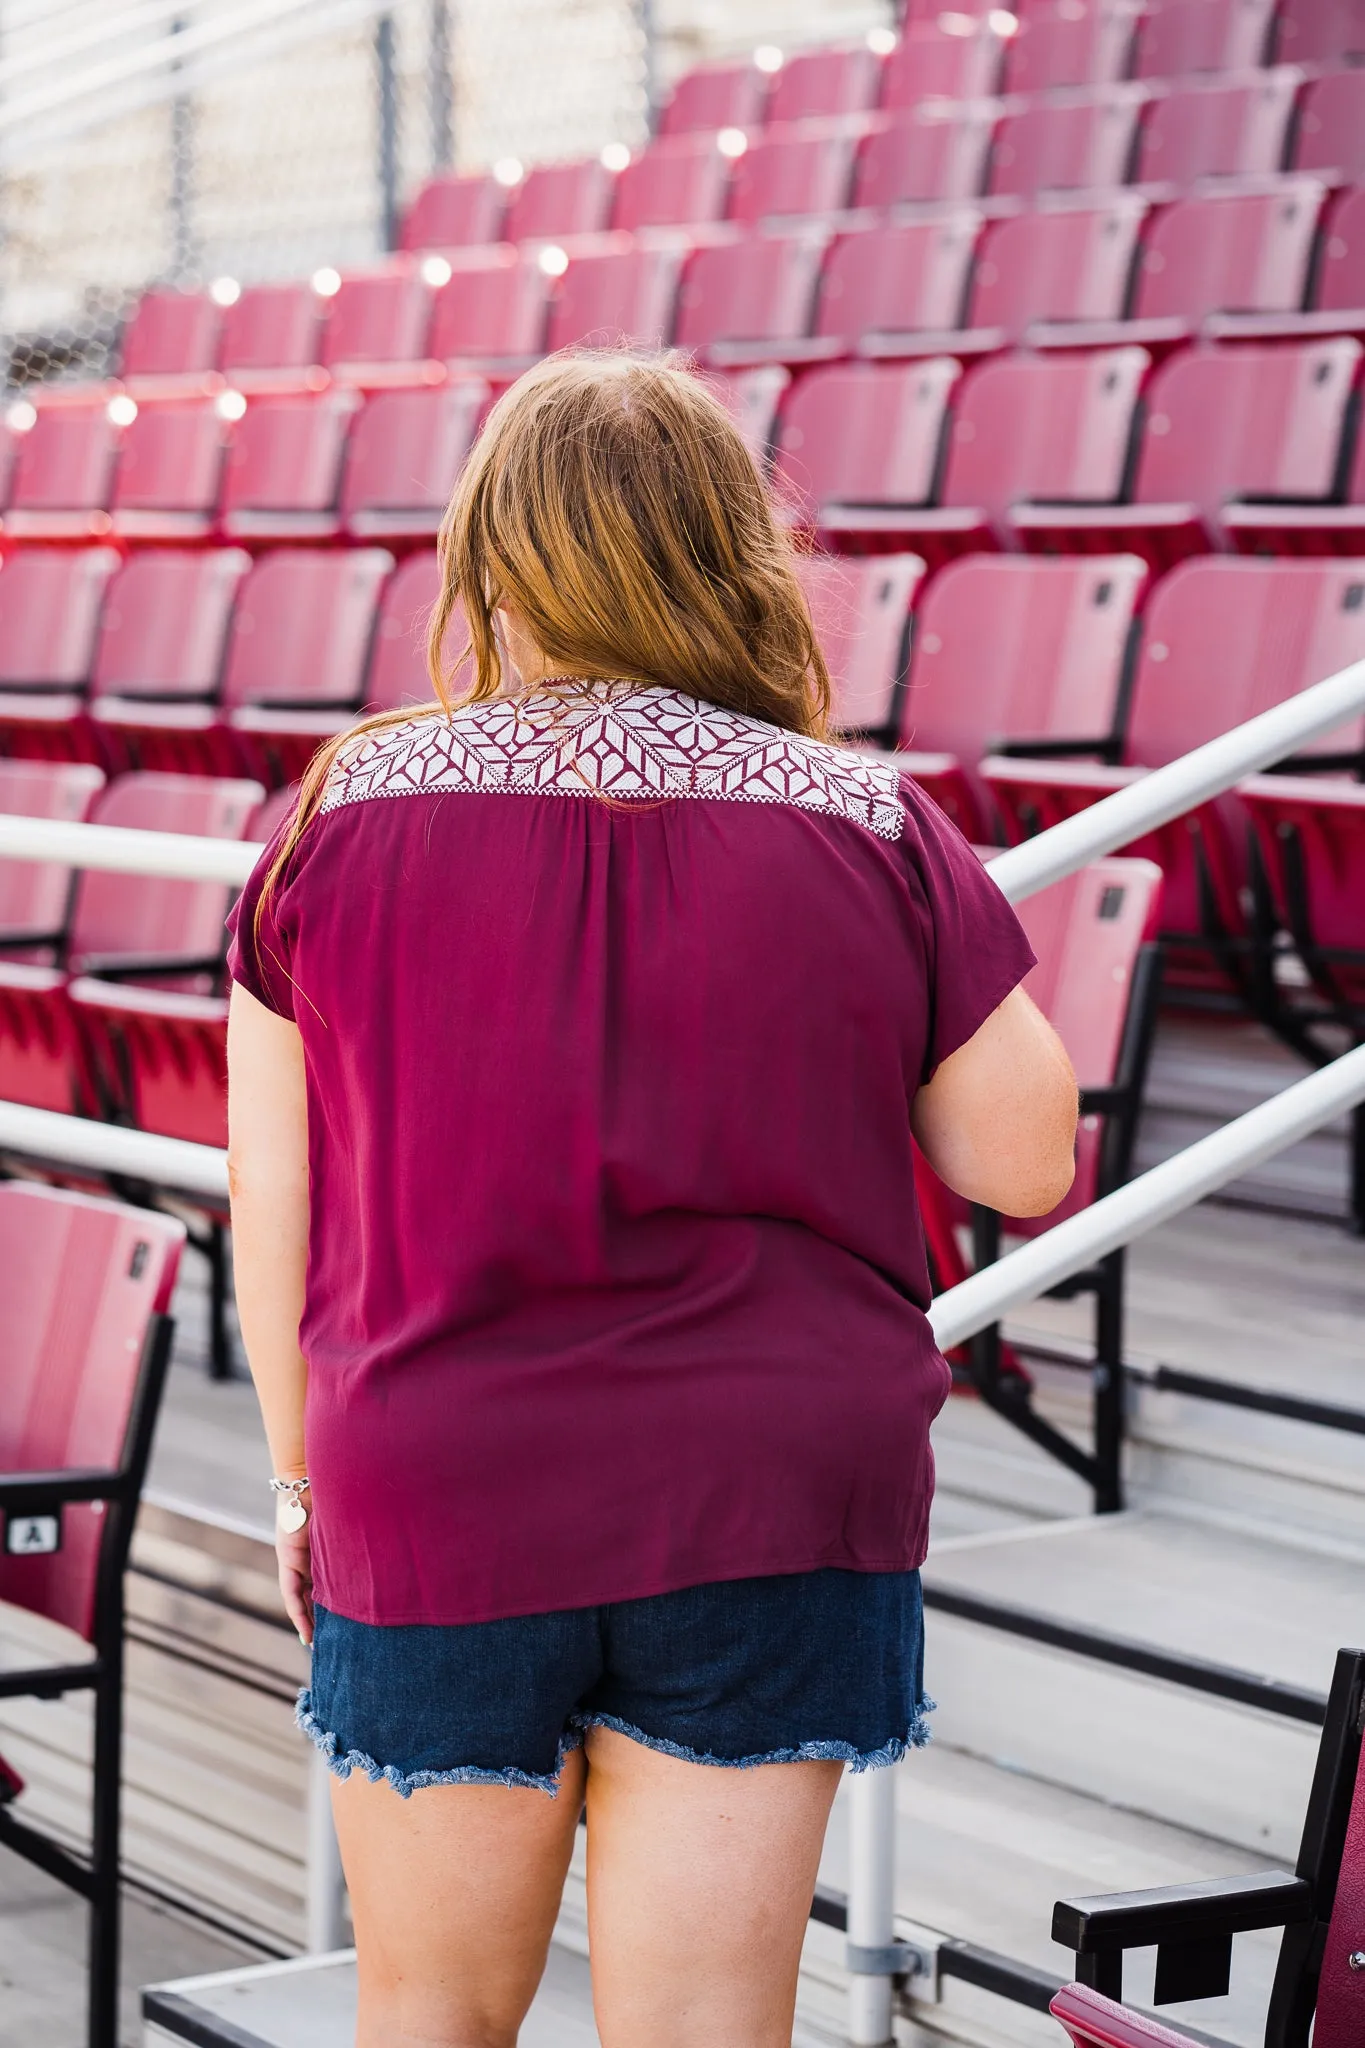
454,1893
699,1887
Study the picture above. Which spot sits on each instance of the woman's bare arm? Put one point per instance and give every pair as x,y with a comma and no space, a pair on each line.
268,1180
998,1120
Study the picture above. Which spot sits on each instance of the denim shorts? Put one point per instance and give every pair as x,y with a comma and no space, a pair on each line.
825,1664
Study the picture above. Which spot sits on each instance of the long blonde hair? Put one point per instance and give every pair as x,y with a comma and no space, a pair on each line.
612,505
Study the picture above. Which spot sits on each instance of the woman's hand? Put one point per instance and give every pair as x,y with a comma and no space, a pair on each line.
293,1552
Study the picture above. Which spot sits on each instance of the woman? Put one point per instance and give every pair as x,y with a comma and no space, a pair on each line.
578,1038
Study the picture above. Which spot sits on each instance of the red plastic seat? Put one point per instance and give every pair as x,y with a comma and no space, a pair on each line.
272,337
35,896
284,467
1310,830
831,79
493,310
861,614
377,319
1341,282
1083,143
162,641
887,281
865,435
935,151
170,471
1220,128
1330,137
171,334
933,62
50,601
1071,42
742,301
716,96
398,670
1221,427
64,468
1013,651
1181,37
678,181
621,294
793,172
455,212
1321,32
406,450
1038,274
752,399
558,200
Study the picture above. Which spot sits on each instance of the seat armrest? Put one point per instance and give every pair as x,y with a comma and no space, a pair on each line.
37,1493
1190,1925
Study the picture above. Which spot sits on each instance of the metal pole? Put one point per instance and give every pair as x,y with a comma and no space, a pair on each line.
326,1929
440,87
384,50
871,1901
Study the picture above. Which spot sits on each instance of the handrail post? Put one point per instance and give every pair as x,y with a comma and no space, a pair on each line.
871,1903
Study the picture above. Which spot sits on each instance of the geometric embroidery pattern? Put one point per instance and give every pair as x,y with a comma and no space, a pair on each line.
617,740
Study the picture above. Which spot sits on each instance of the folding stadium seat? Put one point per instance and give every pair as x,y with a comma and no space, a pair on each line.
934,61
171,334
284,467
1222,426
493,310
1321,529
1219,128
64,467
617,294
170,469
1071,42
376,325
1011,652
716,96
1083,142
398,671
272,338
794,171
455,212
1321,32
906,282
50,601
742,302
861,615
752,398
1330,137
1180,37
162,639
678,181
406,450
863,434
1038,274
831,79
935,151
1339,292
554,201
1222,641
35,896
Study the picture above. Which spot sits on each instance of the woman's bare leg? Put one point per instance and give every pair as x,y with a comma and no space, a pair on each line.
699,1888
454,1894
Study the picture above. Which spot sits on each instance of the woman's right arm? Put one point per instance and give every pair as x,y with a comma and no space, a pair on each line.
998,1120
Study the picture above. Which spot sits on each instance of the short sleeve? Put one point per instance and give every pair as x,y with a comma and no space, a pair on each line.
979,952
259,947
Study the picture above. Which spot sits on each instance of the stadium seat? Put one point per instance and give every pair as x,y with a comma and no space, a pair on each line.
801,171
1071,43
716,96
1341,285
1008,652
863,435
171,333
1330,136
614,295
678,181
1321,32
162,641
1178,38
398,672
935,151
1223,639
64,467
284,467
556,201
861,615
376,324
743,302
905,283
752,399
1219,128
493,311
1082,143
170,471
406,450
1221,426
1229,264
1310,832
35,896
830,79
455,212
931,62
50,601
272,338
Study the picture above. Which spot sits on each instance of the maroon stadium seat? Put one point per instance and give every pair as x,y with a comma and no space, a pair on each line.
794,172
50,601
1221,426
1018,652
861,614
1321,32
1180,37
558,200
1330,137
1038,274
1212,258
377,320
162,642
1311,833
171,334
935,151
1321,529
1082,143
284,467
678,181
618,294
1341,285
1219,128
896,281
493,310
831,79
406,450
170,470
742,301
752,398
272,337
35,896
1071,42
455,212
863,434
64,468
931,62
716,96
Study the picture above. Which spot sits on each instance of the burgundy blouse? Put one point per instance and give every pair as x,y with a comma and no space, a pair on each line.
613,1010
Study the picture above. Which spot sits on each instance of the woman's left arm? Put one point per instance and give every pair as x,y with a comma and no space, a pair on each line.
268,1182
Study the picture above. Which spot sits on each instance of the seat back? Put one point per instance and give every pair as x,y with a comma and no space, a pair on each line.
1259,422
172,458
408,447
1181,37
287,454
1311,832
1094,2021
716,96
165,623
1228,127
1072,263
82,1280
268,816
272,327
1321,31
496,304
35,896
865,433
1330,136
752,398
455,212
50,601
171,333
960,62
1240,252
935,151
119,918
555,200
379,316
302,628
1083,144
1055,428
793,171
1061,44
898,279
398,670
861,614
1341,279
619,295
828,80
677,181
762,289
65,462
